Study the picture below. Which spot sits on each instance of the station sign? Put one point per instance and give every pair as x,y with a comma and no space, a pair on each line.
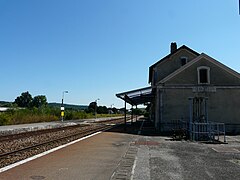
204,89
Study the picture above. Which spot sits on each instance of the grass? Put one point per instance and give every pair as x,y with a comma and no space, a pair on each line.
46,114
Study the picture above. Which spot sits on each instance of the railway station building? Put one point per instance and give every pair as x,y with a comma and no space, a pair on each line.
191,90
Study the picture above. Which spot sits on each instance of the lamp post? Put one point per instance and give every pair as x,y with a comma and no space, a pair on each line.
111,111
96,107
62,106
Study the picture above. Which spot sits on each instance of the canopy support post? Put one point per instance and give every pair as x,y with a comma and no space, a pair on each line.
125,114
132,116
136,113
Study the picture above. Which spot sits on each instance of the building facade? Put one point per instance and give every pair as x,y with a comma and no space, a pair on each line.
193,87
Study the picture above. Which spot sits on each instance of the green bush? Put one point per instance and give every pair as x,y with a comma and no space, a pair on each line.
43,114
73,115
5,118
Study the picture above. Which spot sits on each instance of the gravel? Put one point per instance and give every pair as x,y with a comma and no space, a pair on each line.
16,144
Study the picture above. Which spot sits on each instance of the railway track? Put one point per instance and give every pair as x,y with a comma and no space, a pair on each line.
35,133
24,145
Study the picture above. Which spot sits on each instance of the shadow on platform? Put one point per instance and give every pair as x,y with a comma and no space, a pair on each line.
141,127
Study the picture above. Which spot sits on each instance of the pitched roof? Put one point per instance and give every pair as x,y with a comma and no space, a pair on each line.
168,56
208,58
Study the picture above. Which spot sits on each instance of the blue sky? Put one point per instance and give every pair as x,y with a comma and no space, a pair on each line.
97,48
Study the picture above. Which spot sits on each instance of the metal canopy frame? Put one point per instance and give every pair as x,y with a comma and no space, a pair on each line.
138,96
135,97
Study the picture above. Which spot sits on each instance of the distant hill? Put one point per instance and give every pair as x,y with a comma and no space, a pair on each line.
5,104
69,106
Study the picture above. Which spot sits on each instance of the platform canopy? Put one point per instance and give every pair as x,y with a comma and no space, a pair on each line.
138,96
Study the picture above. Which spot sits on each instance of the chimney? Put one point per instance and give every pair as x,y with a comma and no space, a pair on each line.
173,47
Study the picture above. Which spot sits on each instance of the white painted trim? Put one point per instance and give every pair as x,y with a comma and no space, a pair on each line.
176,86
208,74
45,153
175,53
184,57
181,51
208,58
227,87
224,67
170,76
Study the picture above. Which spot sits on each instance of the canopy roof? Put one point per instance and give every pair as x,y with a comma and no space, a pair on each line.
138,96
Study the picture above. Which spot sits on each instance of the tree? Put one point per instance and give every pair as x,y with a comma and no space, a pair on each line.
39,101
92,107
138,111
102,110
114,110
24,100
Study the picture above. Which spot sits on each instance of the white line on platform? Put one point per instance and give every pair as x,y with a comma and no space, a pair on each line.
45,153
133,168
140,130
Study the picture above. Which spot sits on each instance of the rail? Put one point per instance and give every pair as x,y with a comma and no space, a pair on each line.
82,133
13,154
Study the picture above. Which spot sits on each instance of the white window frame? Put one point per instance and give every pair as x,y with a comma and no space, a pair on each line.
208,74
183,57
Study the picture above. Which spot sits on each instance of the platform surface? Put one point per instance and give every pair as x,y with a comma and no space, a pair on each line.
94,158
118,155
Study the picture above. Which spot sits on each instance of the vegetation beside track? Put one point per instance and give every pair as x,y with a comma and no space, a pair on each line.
44,114
28,109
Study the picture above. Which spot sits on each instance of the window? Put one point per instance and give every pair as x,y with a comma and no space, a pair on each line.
203,75
183,60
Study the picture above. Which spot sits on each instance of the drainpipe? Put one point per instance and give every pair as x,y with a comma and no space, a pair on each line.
190,117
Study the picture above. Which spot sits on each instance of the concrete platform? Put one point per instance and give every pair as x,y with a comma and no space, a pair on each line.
94,158
13,129
119,154
161,158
